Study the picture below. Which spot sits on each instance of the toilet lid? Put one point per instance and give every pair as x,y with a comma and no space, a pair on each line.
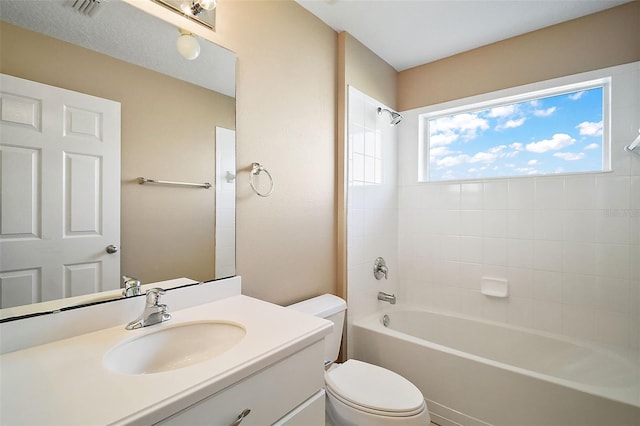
375,388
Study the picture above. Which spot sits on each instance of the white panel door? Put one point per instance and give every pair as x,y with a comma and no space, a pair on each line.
59,193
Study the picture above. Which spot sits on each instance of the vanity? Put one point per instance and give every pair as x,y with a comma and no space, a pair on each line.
230,360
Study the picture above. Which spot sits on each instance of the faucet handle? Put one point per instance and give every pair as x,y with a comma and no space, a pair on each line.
153,296
131,286
380,269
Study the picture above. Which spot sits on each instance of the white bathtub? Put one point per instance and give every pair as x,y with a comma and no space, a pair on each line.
473,372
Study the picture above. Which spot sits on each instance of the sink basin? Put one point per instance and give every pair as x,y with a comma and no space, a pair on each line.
171,348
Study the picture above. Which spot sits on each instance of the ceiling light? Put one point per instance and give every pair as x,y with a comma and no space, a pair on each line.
188,45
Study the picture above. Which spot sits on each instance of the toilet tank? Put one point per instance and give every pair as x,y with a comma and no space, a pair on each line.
329,307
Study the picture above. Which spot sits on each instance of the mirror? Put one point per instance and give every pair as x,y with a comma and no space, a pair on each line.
173,114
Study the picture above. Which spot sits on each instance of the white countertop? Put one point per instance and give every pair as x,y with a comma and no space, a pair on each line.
64,382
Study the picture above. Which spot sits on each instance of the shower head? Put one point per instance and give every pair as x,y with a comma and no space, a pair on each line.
395,117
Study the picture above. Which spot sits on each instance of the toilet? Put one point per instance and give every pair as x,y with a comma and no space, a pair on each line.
359,393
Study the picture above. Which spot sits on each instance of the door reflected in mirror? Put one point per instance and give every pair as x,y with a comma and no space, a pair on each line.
170,130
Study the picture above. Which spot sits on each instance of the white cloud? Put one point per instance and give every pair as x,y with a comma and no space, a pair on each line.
511,124
557,141
527,170
452,160
592,146
445,130
440,151
569,156
503,111
517,146
544,112
588,128
484,157
440,139
532,162
576,96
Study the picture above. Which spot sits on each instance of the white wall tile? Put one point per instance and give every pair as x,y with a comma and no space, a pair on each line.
578,322
495,309
611,328
520,224
520,312
580,258
449,196
494,251
547,286
547,255
612,260
612,192
470,249
579,290
548,224
547,316
521,194
470,275
494,223
613,228
634,202
520,253
520,282
549,193
472,196
496,195
471,223
614,295
579,192
580,225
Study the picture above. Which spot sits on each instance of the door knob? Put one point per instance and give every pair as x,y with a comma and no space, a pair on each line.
112,249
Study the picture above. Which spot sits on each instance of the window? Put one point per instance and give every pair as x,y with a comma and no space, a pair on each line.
558,130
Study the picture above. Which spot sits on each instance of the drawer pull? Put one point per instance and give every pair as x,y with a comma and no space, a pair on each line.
241,417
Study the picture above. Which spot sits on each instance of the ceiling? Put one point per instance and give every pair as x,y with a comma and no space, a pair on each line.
407,33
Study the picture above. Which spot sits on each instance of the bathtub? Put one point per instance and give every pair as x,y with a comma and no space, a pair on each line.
473,372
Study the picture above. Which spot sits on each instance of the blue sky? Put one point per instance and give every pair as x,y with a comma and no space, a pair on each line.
557,134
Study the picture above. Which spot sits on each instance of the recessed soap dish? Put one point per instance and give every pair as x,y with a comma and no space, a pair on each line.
494,287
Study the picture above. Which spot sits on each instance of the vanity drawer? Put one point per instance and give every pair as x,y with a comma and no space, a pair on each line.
270,393
309,413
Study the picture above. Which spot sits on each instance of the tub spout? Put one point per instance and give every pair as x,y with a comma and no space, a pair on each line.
385,297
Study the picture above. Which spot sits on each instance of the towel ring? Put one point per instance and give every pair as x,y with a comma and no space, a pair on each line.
257,168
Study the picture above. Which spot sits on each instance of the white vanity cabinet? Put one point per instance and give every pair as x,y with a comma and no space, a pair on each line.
288,392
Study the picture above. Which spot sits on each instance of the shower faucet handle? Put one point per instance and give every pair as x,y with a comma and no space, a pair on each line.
380,269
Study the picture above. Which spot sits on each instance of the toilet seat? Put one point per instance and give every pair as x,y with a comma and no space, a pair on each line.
374,390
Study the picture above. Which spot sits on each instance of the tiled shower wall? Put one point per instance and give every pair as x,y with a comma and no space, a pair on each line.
372,214
569,245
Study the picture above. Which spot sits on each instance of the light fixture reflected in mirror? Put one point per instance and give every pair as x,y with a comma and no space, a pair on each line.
188,45
195,7
200,11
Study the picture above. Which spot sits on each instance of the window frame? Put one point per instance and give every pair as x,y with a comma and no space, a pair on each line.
515,95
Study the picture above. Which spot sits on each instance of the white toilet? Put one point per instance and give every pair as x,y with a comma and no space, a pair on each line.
359,393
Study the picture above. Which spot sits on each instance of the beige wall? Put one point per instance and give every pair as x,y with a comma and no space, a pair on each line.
608,38
367,72
166,232
286,113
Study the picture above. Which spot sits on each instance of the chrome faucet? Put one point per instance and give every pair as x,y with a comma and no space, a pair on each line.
131,286
153,313
380,269
385,297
